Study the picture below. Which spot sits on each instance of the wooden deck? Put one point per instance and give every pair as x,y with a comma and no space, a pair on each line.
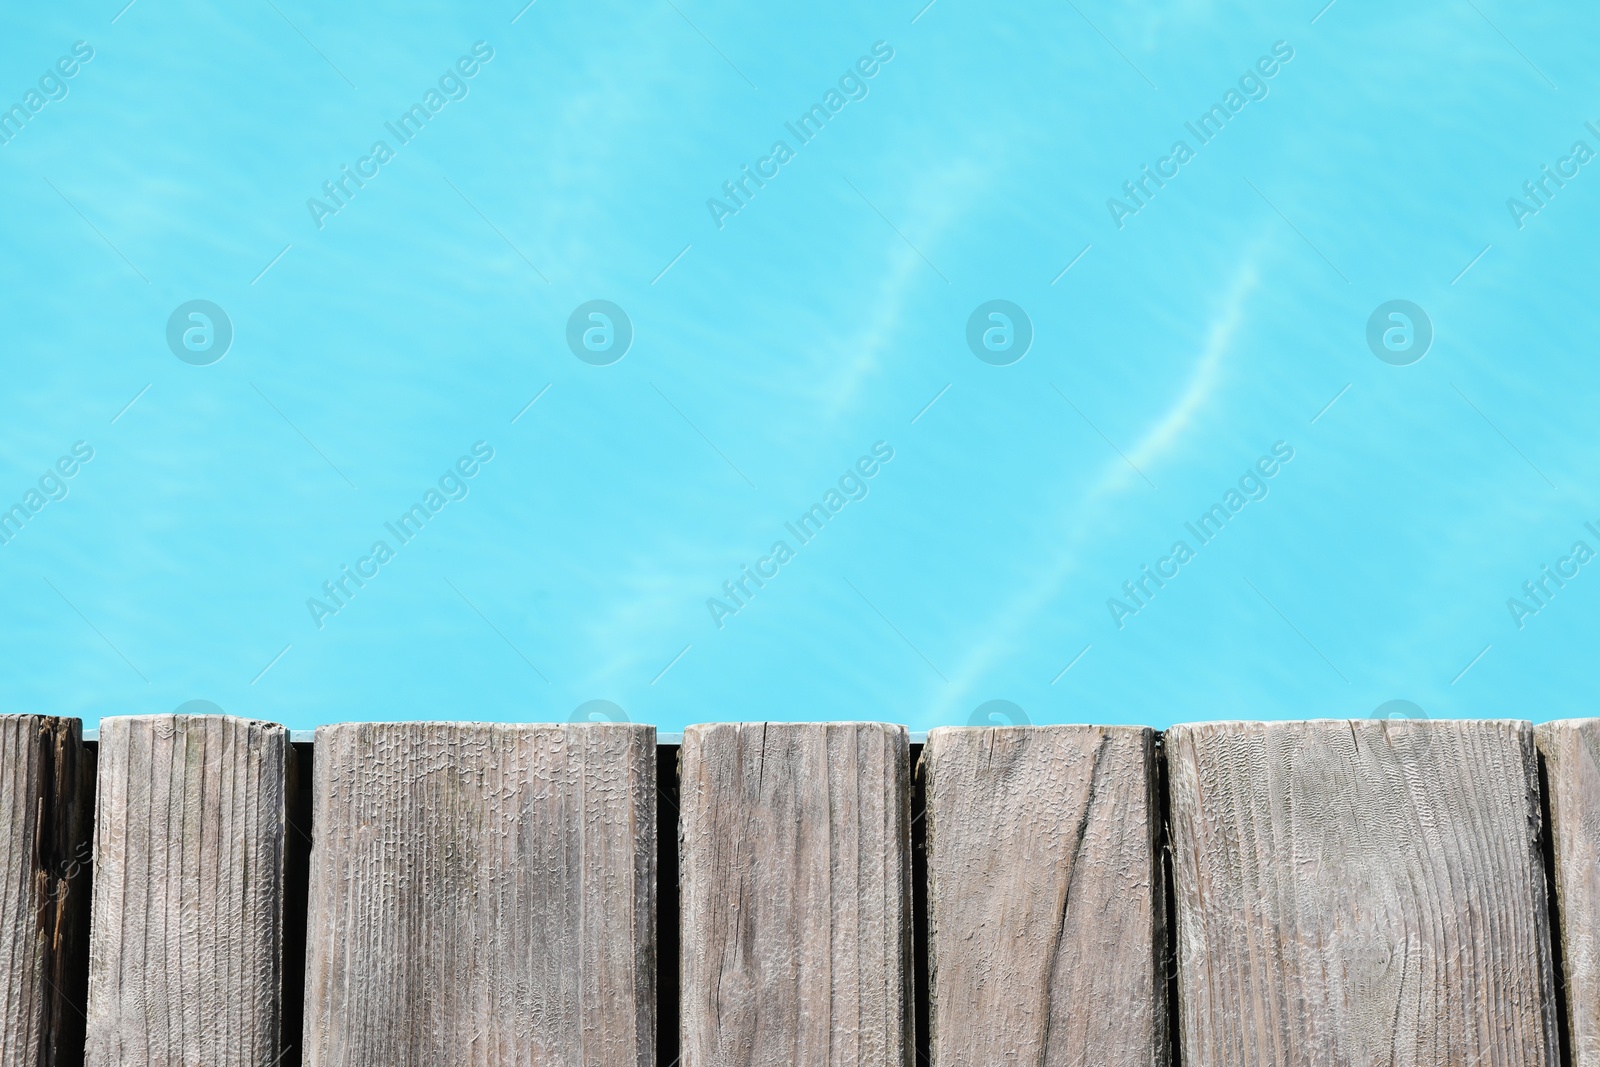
206,890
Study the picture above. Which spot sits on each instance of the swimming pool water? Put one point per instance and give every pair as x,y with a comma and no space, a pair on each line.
828,361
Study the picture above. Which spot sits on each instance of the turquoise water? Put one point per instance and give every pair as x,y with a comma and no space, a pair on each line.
939,278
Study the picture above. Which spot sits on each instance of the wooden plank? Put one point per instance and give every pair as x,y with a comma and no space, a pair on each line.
482,894
1365,892
1571,750
185,950
44,826
1045,894
796,896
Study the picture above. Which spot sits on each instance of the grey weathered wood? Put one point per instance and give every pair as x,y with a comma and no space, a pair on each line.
796,896
1367,892
1571,751
1045,896
186,941
44,824
482,894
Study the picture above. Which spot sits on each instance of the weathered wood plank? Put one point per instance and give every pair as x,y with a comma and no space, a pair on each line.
1046,899
1366,892
1571,751
44,826
482,894
185,950
796,896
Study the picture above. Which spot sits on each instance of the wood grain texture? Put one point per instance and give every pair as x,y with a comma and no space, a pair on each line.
185,951
482,894
1046,899
796,896
1365,892
44,824
1571,750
